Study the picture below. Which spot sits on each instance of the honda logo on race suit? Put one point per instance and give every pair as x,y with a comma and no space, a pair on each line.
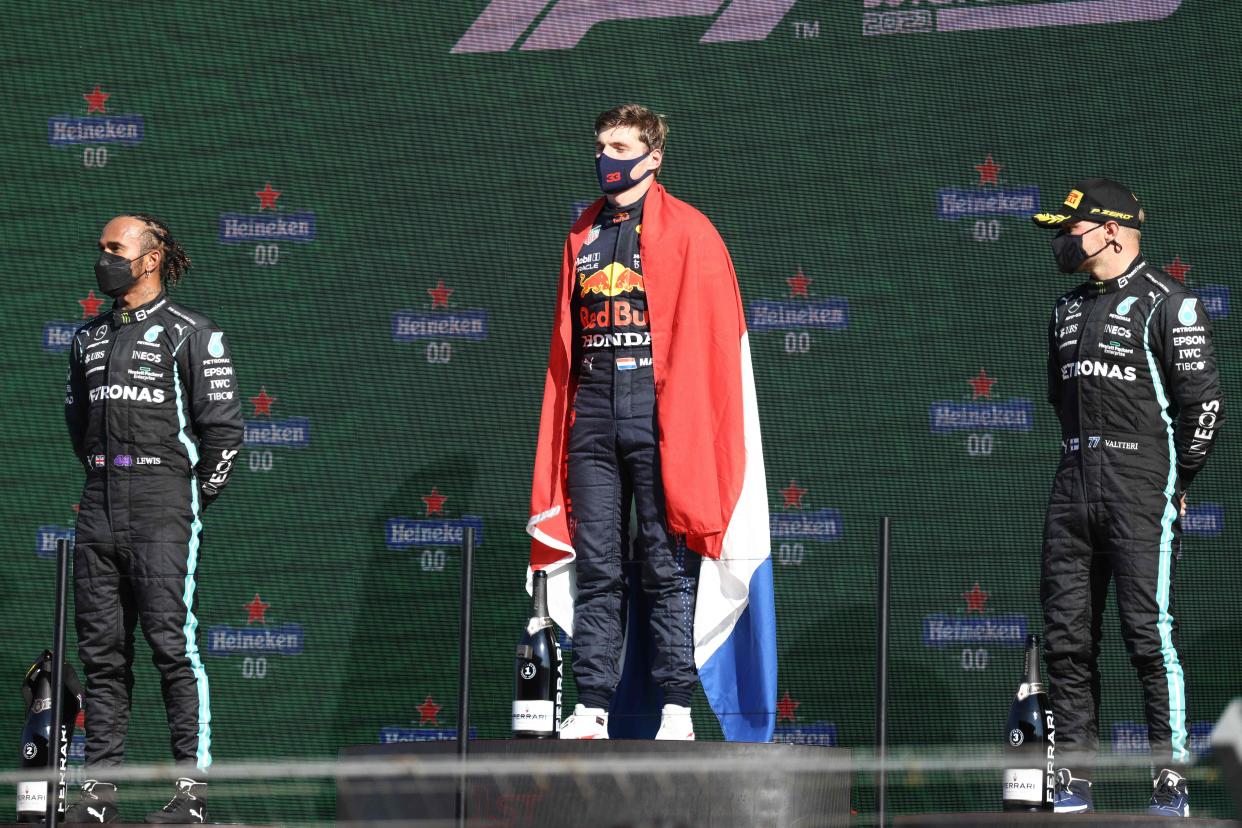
503,22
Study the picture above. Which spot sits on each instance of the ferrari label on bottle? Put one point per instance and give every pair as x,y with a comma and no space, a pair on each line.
531,714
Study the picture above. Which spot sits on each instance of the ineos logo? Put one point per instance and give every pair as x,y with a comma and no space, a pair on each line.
503,22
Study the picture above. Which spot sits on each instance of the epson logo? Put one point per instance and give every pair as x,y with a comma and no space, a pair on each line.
503,23
1096,368
127,392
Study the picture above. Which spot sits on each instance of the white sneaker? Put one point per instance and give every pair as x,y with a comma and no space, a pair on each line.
675,724
586,723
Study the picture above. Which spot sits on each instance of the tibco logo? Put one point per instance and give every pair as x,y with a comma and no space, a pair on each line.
503,22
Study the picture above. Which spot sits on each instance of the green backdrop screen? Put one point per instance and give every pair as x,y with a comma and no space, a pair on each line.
375,197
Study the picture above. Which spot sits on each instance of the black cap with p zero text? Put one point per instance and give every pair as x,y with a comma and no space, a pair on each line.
1098,200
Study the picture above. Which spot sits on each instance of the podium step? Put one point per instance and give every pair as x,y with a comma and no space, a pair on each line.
719,799
1096,820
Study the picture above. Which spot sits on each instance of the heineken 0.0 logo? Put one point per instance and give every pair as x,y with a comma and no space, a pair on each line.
899,16
503,23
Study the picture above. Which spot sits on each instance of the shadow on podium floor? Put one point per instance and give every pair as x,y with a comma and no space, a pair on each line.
734,798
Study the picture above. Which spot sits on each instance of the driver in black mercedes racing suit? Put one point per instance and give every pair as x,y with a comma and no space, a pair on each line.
155,420
1132,375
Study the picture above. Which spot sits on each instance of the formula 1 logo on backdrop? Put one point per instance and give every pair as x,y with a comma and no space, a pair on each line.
902,16
981,415
267,230
503,23
95,130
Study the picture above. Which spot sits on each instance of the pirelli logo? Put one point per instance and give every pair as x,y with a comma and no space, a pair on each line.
1073,199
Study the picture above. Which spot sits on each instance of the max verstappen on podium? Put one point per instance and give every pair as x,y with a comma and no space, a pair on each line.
649,399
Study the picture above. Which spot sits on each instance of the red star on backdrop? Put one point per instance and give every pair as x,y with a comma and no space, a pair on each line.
798,283
256,610
428,712
975,599
989,170
267,196
793,495
80,721
263,403
439,294
90,305
982,385
435,502
77,507
787,709
1177,269
95,100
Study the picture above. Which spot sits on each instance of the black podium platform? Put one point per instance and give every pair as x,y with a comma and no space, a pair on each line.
736,798
1096,820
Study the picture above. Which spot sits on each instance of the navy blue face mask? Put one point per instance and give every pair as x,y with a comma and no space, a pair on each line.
615,174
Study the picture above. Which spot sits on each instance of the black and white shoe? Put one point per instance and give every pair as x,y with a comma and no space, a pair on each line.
188,805
96,803
1169,796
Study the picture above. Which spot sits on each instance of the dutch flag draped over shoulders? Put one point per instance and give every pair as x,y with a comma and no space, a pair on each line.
711,456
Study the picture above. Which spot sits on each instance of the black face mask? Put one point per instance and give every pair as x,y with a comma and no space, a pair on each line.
1070,253
115,274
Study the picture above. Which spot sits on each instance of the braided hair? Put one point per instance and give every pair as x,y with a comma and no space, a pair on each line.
174,262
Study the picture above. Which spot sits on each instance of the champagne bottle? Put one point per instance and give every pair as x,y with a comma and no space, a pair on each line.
1030,780
537,677
37,737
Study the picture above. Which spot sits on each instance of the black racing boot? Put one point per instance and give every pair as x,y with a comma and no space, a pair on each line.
96,803
188,805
